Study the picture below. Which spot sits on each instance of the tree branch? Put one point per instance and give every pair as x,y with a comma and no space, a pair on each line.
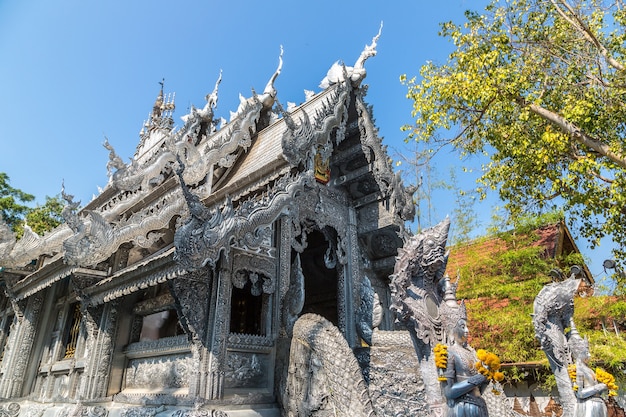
584,30
574,131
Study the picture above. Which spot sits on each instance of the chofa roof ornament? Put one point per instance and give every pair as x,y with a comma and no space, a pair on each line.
339,72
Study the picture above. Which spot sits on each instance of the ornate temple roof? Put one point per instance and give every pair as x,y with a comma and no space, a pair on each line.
223,163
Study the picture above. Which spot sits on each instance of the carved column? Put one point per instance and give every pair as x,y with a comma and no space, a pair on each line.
192,294
217,339
101,324
352,281
19,348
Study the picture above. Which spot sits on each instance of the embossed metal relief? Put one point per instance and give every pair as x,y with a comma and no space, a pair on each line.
304,140
9,410
369,311
295,296
423,300
200,413
257,270
164,372
141,411
246,370
209,232
191,292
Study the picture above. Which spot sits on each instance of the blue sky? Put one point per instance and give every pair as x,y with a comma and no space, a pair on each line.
73,71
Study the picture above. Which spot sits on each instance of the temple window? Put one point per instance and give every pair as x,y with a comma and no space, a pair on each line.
155,316
72,329
158,325
246,314
252,293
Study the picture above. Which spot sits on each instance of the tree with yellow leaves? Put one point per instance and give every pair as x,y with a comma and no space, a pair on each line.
539,86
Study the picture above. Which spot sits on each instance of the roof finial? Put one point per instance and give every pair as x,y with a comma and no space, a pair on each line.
269,93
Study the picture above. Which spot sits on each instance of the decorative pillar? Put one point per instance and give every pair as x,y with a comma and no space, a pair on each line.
101,325
19,346
217,339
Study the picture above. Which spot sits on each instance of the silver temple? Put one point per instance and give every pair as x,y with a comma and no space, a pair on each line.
259,266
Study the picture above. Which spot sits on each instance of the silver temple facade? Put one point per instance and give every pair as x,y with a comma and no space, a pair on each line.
177,290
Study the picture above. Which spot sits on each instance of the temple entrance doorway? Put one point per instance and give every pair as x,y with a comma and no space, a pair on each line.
319,266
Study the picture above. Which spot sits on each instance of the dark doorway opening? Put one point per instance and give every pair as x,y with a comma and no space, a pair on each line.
320,275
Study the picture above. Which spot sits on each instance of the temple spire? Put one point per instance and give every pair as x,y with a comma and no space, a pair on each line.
161,116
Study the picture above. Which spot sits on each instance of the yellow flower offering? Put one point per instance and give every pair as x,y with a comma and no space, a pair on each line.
441,359
571,370
489,364
608,379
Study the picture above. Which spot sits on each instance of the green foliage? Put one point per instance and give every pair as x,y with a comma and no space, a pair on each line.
499,282
600,319
539,88
12,208
43,218
40,219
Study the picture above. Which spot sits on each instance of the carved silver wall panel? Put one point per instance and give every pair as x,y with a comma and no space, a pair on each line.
246,370
164,372
200,413
9,410
33,410
141,411
209,232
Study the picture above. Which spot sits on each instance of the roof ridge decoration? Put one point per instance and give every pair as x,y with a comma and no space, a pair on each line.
301,141
339,72
268,96
206,233
390,183
86,238
7,238
18,253
95,239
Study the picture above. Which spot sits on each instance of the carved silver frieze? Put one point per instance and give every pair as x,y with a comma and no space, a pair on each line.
153,305
81,410
301,141
200,413
9,410
31,246
95,239
246,370
163,372
159,347
255,269
141,411
207,233
33,410
249,341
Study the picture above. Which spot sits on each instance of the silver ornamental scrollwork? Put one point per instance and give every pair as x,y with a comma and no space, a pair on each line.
200,413
209,232
9,410
242,370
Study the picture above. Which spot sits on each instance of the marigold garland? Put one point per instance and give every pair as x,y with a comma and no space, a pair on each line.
441,359
608,379
489,364
571,370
